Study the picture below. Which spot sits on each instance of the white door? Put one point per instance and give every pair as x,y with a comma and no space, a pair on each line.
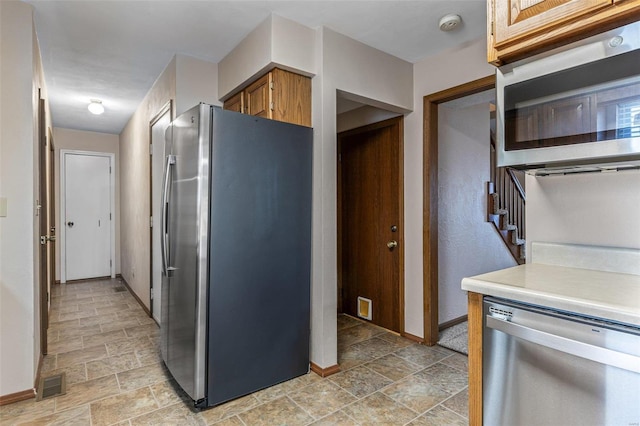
158,129
87,216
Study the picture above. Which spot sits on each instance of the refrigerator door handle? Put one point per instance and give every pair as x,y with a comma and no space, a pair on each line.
164,241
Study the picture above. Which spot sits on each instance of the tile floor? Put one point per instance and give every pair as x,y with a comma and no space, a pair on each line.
107,346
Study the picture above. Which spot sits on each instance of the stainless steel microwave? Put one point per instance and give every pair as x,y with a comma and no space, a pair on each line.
576,106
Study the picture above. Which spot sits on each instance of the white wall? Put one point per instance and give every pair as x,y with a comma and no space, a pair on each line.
20,78
86,141
196,81
467,244
275,42
593,209
433,74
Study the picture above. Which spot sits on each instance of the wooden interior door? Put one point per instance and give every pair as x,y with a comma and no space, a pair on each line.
370,221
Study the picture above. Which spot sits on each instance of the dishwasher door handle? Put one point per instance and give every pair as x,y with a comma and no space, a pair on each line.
569,346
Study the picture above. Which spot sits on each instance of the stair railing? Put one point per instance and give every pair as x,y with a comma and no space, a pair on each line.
510,196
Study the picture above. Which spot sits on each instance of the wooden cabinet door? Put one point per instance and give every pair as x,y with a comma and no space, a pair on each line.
291,97
517,19
235,103
258,97
567,121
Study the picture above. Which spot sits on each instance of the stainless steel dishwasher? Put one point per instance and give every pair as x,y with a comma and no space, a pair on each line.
544,367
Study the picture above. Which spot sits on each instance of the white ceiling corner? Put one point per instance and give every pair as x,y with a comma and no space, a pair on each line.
115,50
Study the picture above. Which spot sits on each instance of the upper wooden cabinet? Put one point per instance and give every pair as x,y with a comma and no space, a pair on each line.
278,95
235,103
520,28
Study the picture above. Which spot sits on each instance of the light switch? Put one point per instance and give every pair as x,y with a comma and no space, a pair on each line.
3,207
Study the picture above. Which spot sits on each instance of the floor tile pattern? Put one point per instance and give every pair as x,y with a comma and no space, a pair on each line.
108,348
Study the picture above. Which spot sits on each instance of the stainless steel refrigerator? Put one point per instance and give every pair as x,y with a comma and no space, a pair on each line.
236,247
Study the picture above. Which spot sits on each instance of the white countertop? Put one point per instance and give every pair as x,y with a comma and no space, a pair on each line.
608,295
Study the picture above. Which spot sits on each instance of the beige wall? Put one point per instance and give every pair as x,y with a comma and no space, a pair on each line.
362,116
79,140
20,78
275,42
369,76
186,81
467,244
600,209
135,185
438,72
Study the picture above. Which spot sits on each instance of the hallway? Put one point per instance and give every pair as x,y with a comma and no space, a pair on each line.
108,347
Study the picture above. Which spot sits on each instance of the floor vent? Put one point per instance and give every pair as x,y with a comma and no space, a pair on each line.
119,289
52,386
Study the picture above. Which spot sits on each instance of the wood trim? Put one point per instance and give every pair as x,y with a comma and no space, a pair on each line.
452,322
167,107
430,197
17,396
84,280
135,296
401,239
324,372
475,358
38,374
43,225
412,337
562,33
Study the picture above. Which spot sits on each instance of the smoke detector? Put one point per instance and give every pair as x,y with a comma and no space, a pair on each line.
450,22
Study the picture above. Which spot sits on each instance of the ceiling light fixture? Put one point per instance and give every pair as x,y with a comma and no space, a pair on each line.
96,107
450,22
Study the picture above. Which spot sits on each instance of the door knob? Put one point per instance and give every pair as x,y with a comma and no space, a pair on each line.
70,224
392,244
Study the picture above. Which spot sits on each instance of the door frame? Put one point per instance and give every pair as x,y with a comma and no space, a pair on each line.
52,207
166,108
63,217
43,219
399,121
430,197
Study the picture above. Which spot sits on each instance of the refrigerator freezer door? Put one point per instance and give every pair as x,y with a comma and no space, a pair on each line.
184,332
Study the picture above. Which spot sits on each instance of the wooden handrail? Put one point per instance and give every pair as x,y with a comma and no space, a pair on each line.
511,195
517,183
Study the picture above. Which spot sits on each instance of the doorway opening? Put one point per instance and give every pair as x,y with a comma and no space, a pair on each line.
430,198
370,223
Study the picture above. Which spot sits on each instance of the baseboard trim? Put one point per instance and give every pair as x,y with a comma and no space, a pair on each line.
452,322
17,396
135,296
324,372
413,338
84,280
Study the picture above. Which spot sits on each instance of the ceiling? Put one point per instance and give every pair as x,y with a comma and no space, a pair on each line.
114,50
